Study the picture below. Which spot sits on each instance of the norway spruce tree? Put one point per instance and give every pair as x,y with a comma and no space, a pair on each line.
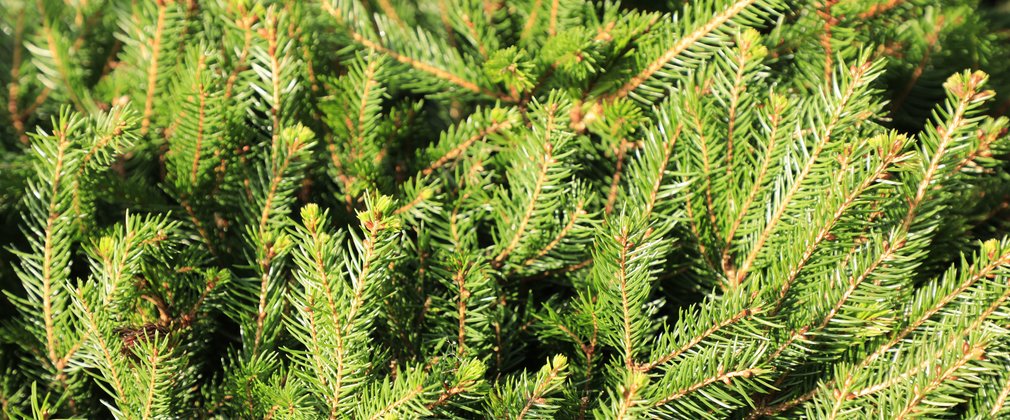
505,209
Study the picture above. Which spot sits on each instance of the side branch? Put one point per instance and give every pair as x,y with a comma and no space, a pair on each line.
462,147
677,49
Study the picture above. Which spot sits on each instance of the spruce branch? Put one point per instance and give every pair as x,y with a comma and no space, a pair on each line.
839,101
242,30
150,33
775,130
530,396
52,54
991,399
463,313
899,246
468,22
45,266
278,70
454,143
651,184
536,186
446,68
355,147
196,136
703,34
273,196
885,153
152,69
921,316
335,306
139,384
628,401
931,44
14,87
946,148
716,323
623,262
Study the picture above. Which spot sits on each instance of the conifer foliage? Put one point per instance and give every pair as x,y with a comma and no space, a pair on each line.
504,209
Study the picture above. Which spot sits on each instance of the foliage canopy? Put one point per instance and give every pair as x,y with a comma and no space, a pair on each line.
504,209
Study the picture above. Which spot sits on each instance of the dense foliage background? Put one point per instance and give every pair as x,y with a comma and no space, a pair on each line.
504,209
